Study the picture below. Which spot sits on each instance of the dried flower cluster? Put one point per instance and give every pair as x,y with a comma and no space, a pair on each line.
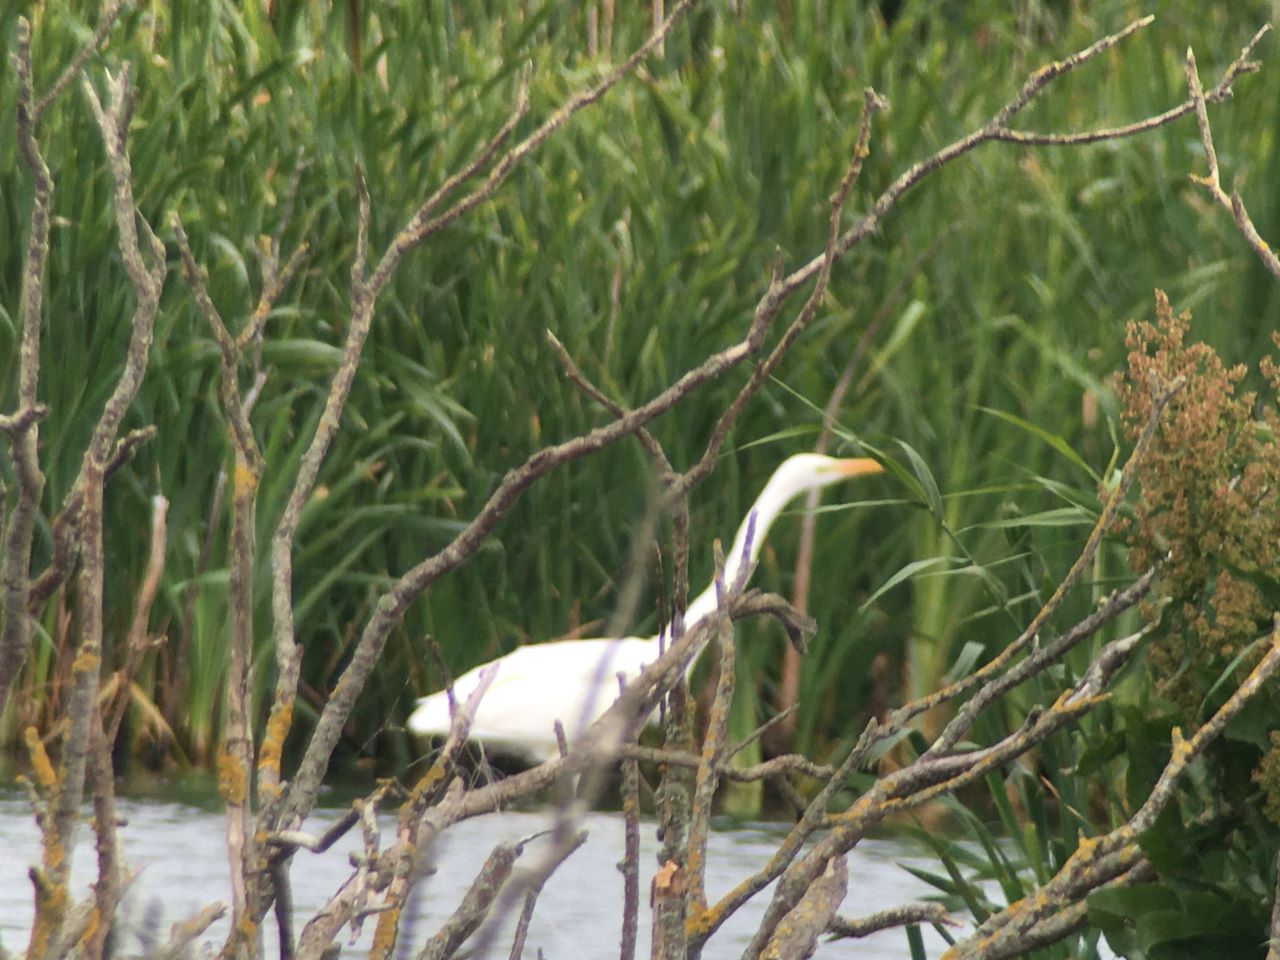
1208,509
1208,506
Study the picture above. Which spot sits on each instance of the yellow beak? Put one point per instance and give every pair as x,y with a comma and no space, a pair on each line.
857,466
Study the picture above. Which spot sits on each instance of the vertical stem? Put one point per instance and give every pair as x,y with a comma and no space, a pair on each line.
1273,941
630,858
606,28
15,628
106,890
235,762
84,671
81,711
708,774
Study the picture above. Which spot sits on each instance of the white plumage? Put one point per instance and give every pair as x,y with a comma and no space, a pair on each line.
575,681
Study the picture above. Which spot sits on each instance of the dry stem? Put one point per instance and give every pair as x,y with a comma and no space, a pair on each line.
1210,182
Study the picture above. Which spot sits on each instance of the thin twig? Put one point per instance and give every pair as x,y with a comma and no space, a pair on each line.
302,788
768,307
475,904
1075,877
24,435
532,885
714,752
106,19
997,130
630,858
66,524
1106,519
184,933
138,641
841,928
1210,181
938,770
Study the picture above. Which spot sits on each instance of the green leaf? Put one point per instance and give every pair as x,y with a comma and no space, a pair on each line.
925,485
908,323
915,942
1057,517
1052,439
969,655
906,573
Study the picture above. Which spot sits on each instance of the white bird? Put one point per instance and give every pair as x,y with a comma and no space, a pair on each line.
575,681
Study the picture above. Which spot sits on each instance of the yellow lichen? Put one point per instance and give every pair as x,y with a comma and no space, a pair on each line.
429,780
51,908
41,766
231,779
269,757
246,928
1181,747
698,922
384,935
91,928
245,479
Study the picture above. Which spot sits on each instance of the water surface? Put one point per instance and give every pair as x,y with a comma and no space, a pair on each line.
179,852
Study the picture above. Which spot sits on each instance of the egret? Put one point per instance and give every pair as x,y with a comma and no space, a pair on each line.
575,681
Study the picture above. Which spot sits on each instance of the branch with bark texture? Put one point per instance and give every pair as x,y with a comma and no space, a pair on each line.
1087,868
236,756
22,426
262,845
1210,181
300,795
85,749
942,768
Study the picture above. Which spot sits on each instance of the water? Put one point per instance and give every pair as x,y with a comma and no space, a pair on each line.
179,854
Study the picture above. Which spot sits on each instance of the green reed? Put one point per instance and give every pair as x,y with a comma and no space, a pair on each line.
641,236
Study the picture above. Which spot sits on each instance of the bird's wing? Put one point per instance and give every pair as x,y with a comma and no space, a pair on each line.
573,681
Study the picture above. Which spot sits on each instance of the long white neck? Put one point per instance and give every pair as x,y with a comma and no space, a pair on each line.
781,489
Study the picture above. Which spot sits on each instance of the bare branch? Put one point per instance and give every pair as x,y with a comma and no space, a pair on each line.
475,904
533,887
630,858
138,640
1104,522
15,563
770,304
1211,181
939,770
410,585
106,19
424,225
66,525
16,425
249,888
797,934
996,130
529,882
885,919
146,279
1104,856
184,933
109,887
714,751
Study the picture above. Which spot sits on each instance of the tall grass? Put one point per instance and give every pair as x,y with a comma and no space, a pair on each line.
641,236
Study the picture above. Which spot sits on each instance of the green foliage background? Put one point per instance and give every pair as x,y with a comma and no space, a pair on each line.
992,303
641,235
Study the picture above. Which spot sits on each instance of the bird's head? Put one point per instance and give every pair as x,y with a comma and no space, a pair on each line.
809,471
